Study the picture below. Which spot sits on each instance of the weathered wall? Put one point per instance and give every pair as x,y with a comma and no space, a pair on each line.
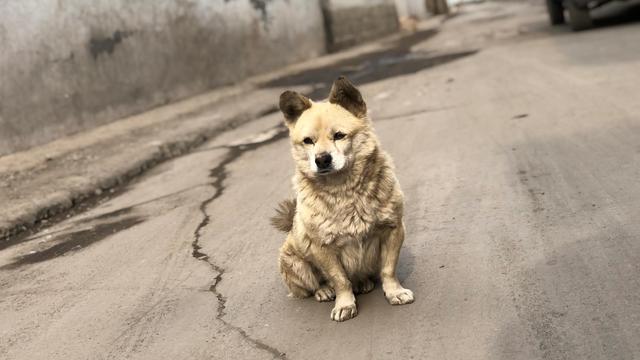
71,65
350,22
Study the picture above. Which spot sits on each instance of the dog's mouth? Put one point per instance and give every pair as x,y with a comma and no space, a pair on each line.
330,171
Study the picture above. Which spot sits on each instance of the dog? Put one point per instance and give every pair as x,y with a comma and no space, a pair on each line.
345,227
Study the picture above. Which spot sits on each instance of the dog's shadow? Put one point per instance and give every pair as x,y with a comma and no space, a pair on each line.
406,264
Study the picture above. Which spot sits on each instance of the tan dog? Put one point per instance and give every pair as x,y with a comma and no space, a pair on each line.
345,228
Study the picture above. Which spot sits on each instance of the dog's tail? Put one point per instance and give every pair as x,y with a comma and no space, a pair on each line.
283,220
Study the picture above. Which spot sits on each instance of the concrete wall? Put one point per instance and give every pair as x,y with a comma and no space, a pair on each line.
66,66
350,22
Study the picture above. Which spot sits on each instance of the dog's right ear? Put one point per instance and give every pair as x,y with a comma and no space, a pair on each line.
293,105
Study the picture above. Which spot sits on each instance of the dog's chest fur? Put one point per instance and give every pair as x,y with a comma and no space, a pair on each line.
352,213
346,220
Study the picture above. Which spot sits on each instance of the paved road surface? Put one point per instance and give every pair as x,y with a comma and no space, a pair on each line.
518,149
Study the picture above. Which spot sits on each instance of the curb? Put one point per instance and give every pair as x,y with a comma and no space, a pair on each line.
67,199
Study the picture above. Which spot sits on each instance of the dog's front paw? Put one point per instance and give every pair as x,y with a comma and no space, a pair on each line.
345,308
399,296
342,313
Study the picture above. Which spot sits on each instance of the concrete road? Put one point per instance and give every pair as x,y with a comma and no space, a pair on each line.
517,146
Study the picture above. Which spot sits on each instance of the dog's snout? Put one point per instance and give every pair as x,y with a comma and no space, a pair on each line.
324,161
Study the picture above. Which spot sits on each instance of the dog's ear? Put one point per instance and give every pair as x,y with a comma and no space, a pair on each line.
343,93
293,105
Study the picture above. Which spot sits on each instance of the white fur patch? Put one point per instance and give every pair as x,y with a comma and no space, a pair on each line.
312,160
339,160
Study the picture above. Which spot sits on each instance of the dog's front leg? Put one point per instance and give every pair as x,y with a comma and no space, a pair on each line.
389,253
328,262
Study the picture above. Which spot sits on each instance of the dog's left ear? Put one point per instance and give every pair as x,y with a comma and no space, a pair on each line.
343,93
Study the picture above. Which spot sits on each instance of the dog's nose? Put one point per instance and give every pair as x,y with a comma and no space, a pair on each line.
323,161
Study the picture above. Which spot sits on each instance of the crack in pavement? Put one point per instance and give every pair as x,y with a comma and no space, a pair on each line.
219,175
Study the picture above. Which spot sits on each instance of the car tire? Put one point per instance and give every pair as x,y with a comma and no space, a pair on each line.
555,11
579,18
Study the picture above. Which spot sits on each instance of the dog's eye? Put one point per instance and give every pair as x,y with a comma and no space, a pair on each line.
339,135
307,141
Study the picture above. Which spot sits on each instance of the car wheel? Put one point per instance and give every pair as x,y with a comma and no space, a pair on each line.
555,11
579,18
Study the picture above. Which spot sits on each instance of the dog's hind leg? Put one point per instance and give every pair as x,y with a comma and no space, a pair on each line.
299,276
325,293
363,287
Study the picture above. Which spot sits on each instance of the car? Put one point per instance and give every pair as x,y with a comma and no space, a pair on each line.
578,11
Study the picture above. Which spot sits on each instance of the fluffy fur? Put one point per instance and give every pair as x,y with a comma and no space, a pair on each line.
283,220
345,228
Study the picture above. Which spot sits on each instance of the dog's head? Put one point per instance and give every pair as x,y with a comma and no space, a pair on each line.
327,137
